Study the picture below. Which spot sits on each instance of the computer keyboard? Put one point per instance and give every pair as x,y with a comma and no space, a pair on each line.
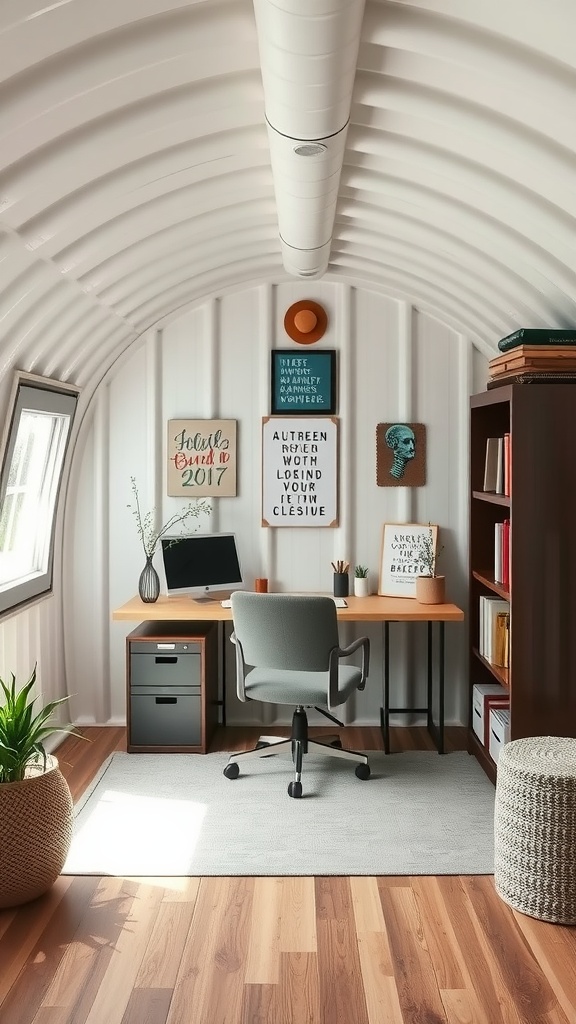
338,601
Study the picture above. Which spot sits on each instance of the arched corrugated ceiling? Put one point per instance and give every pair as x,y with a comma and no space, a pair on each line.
135,170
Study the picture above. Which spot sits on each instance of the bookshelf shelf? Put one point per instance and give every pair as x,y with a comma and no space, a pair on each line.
542,568
487,579
495,499
500,674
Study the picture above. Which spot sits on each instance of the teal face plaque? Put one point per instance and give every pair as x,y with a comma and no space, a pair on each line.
303,382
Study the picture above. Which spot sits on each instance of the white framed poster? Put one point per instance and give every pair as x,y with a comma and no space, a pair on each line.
403,549
201,458
299,471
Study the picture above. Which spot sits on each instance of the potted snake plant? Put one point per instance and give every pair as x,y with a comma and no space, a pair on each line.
361,581
35,801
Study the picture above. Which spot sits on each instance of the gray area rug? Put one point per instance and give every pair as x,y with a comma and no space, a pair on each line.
176,814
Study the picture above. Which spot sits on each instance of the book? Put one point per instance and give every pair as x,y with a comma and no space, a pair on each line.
531,378
507,466
500,467
491,464
541,358
537,336
506,554
498,552
489,608
500,643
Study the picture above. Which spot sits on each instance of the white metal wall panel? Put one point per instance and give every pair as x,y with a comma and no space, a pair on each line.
215,361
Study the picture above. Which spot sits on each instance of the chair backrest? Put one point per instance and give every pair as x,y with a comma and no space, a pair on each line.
285,631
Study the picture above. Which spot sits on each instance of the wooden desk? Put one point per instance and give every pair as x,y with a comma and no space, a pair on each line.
360,609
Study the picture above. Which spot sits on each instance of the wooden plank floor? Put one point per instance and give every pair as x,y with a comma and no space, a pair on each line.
402,950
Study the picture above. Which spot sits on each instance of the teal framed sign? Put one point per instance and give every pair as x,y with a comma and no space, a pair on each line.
303,382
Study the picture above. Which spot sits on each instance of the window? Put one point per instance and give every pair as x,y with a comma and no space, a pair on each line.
35,448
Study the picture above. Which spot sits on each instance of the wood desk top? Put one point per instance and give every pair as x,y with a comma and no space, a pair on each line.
360,609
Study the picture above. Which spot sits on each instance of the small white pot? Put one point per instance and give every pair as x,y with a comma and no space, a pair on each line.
361,586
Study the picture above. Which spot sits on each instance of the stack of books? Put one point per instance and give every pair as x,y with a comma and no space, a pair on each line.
498,465
534,355
494,630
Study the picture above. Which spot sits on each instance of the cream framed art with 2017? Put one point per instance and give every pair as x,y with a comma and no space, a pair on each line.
400,561
201,458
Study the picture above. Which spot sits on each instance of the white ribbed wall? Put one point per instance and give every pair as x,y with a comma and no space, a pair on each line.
394,363
135,184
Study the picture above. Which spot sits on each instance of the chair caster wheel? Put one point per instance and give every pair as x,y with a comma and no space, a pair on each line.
363,771
337,743
295,789
232,770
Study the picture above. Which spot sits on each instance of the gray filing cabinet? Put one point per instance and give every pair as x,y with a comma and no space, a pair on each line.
172,684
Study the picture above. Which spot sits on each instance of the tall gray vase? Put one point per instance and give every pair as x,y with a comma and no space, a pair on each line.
149,582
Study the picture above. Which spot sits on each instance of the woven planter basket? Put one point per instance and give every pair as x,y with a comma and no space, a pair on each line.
35,834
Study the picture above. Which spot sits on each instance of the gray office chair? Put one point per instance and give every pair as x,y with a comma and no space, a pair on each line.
288,652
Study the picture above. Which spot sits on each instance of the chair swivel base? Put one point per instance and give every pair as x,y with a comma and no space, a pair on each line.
298,745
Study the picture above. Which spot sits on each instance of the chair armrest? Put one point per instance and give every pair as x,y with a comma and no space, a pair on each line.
240,668
336,654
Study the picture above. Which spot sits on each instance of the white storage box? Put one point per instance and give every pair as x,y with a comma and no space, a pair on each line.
482,694
499,731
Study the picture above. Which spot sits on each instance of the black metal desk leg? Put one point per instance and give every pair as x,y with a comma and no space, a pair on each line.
385,712
430,720
441,690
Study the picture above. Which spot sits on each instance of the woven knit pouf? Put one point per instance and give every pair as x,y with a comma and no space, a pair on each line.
535,827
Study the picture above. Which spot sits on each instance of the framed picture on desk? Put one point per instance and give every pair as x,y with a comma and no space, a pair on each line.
401,558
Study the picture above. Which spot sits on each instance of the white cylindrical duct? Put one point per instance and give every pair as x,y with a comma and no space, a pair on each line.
308,61
305,262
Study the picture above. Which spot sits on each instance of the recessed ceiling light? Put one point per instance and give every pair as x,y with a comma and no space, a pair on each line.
309,149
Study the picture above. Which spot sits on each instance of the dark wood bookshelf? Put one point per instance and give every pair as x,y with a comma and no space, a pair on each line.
541,677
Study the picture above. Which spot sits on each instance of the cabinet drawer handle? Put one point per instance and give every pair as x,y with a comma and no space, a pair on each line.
166,700
165,659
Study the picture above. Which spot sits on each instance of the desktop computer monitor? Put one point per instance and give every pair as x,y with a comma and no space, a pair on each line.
201,564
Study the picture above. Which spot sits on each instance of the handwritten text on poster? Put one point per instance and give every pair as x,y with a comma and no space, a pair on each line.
202,458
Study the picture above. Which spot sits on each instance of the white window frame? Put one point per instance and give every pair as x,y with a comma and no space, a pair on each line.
42,395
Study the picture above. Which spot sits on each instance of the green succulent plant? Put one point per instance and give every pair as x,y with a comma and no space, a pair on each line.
22,732
361,572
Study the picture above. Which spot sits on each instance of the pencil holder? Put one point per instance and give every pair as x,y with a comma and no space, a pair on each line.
341,584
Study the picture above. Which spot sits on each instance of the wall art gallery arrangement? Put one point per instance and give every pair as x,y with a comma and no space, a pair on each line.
300,455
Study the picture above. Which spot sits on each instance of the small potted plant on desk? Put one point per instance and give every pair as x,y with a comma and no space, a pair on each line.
361,581
430,588
35,802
